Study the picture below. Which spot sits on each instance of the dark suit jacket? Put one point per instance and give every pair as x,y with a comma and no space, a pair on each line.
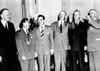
78,37
7,41
24,49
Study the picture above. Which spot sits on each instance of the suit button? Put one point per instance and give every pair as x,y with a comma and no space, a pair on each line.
73,36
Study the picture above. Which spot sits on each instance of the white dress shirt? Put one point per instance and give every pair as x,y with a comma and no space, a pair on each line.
42,27
26,31
60,22
4,23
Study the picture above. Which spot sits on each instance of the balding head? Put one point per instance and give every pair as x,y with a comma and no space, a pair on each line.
5,14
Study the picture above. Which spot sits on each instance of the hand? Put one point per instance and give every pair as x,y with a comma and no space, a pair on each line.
23,57
52,51
88,17
85,48
0,59
36,54
69,47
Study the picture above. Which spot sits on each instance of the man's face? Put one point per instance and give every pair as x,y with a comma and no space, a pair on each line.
40,21
62,15
26,24
6,15
93,14
77,15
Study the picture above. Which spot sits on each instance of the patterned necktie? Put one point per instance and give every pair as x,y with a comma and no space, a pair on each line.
28,37
42,31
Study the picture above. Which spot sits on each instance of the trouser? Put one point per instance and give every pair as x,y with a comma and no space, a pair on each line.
3,64
44,62
78,59
13,63
27,65
94,61
60,60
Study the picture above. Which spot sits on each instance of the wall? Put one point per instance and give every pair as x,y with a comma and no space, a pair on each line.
50,9
96,5
15,8
83,5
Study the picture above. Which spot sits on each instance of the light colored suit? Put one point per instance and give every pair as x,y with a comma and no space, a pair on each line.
43,46
25,49
61,44
93,41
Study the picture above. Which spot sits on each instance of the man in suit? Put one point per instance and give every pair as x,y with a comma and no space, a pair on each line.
61,42
7,42
78,41
93,40
26,46
44,43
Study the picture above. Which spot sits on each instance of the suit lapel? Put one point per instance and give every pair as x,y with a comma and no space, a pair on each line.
57,27
64,26
2,26
45,31
38,34
24,34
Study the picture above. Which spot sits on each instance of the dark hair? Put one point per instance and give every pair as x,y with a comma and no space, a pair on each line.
76,11
60,13
41,16
23,21
74,14
1,11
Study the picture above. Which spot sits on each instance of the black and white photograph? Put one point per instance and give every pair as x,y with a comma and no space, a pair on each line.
49,35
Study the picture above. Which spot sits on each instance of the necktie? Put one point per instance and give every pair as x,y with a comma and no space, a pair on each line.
6,26
27,32
28,37
42,31
61,28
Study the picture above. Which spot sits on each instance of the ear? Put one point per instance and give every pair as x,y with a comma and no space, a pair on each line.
44,21
1,16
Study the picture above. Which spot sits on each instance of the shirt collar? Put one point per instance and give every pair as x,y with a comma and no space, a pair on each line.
43,26
25,30
77,22
60,22
4,23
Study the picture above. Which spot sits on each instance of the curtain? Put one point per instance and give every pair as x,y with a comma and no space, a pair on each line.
29,8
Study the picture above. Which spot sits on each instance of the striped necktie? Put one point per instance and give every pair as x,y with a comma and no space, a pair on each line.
42,31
